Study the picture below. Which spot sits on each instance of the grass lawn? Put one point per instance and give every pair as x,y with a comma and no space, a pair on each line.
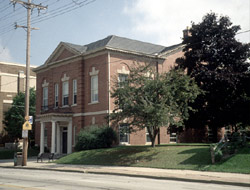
9,154
191,157
239,163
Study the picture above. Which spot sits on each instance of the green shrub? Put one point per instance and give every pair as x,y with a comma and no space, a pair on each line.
94,137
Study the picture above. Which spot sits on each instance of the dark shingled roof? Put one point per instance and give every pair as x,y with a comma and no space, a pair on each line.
122,43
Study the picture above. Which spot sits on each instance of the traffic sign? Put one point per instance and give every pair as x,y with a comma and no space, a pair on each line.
31,120
25,133
27,126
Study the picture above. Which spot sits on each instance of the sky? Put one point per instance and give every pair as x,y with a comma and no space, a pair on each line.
85,21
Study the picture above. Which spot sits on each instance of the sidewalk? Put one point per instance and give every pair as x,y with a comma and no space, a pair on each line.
167,174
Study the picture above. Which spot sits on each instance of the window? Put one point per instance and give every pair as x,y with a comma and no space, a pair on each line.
173,137
94,88
147,136
124,133
56,95
74,91
45,98
65,93
122,78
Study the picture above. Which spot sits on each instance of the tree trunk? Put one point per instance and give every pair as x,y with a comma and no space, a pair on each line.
153,143
155,132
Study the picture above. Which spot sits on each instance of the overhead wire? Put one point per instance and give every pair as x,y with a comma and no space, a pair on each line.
8,16
51,14
8,41
5,8
243,32
15,13
61,12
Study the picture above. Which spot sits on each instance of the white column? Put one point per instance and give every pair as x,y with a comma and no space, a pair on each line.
58,140
42,138
53,137
69,144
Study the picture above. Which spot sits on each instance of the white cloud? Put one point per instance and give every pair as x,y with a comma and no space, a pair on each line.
162,21
5,54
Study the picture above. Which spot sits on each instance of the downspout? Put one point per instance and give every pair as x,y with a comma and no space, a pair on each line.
157,72
108,86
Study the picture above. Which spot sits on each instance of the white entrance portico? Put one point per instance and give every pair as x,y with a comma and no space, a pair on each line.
61,132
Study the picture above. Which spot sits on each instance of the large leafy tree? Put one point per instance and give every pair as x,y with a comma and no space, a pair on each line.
151,100
14,117
218,63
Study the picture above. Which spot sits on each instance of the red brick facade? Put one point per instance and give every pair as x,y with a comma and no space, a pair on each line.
106,63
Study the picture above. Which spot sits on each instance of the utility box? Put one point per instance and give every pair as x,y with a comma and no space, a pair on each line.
18,159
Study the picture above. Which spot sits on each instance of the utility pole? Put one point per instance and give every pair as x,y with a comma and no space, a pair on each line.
29,6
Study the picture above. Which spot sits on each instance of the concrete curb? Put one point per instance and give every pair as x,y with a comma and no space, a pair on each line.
136,175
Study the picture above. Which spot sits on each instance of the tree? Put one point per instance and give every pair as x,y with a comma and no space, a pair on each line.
151,100
14,117
218,63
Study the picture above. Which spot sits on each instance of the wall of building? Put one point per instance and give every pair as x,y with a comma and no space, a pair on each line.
87,113
12,81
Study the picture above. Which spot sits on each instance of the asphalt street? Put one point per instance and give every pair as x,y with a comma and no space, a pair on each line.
12,179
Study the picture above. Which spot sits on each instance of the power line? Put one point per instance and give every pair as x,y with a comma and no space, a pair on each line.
7,16
243,32
8,83
7,31
62,12
54,13
5,8
8,41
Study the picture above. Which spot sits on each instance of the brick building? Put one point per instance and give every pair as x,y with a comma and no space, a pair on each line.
12,80
73,88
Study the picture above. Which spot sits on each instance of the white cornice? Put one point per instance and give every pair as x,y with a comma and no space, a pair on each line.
16,64
91,113
15,75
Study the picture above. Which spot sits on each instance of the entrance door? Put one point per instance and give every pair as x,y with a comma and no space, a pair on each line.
64,142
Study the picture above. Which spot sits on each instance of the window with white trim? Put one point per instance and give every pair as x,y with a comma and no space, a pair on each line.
74,91
124,133
94,88
45,98
65,92
122,78
56,95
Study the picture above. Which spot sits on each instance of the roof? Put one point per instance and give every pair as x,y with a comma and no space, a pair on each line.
121,43
118,44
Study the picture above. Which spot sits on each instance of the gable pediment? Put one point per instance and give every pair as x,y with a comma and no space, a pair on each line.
60,53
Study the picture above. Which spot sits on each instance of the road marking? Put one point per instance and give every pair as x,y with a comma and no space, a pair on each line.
18,187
